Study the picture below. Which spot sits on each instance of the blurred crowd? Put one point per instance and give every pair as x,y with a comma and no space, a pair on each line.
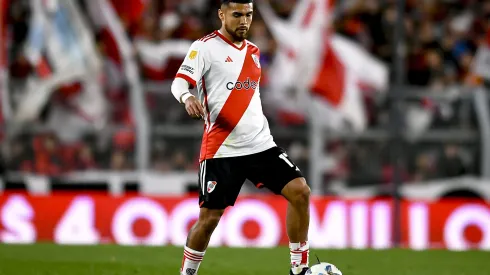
442,38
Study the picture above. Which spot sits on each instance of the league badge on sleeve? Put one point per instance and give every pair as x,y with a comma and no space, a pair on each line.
192,55
256,60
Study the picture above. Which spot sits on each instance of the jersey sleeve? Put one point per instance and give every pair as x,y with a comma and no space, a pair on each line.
193,67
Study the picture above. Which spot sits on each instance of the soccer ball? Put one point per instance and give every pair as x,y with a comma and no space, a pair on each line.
324,269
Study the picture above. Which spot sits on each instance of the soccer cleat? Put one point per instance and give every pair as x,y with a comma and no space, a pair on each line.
303,272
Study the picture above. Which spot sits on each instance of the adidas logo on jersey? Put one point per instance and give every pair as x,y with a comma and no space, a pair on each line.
228,59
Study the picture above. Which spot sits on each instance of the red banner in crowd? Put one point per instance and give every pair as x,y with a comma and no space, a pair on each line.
252,222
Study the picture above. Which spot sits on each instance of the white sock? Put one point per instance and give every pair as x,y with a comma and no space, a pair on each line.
300,253
191,261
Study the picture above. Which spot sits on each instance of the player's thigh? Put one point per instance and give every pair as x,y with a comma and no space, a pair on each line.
273,169
220,182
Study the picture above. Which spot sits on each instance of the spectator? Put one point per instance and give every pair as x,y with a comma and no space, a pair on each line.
451,163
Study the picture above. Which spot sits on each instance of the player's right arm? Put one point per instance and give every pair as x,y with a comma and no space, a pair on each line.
187,77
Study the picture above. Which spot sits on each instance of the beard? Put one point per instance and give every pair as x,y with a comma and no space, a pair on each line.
238,35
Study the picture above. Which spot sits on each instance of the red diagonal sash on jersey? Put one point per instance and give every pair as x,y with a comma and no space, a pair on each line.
233,109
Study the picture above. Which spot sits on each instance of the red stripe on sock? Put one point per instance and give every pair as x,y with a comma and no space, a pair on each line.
304,257
299,252
192,256
193,259
182,266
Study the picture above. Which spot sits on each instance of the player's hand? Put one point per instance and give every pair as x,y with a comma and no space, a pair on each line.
194,108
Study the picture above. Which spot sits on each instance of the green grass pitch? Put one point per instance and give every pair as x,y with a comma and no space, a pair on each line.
47,259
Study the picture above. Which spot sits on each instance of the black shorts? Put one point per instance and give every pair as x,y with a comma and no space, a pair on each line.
221,179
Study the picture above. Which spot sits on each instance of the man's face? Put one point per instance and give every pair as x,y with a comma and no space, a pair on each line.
237,18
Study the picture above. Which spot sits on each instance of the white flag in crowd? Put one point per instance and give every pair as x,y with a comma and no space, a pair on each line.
314,63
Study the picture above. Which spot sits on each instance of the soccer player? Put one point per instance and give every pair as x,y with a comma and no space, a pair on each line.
237,143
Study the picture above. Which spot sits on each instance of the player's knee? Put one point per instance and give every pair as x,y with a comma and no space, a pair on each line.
210,220
301,194
304,195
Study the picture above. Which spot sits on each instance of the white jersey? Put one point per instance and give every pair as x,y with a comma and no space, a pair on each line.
227,79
